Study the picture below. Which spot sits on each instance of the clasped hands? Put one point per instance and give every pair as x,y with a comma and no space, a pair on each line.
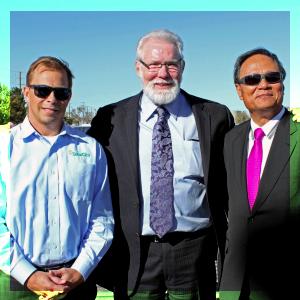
54,284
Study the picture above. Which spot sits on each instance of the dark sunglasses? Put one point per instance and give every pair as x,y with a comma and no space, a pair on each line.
255,79
43,91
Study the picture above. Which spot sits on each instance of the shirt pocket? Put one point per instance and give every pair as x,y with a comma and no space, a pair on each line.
192,154
79,180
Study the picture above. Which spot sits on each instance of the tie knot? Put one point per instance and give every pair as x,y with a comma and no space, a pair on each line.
162,112
259,134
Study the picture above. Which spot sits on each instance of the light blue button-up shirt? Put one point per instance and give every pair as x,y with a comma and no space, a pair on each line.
190,201
59,206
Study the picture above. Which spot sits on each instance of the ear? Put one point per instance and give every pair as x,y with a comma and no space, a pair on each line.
239,91
182,65
25,91
138,68
69,98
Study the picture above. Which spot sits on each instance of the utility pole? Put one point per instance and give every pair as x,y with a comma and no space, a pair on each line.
20,80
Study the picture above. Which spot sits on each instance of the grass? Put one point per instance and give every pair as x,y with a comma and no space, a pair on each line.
106,295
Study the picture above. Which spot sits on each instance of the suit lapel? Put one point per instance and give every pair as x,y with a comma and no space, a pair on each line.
293,138
294,166
131,113
277,159
240,149
202,119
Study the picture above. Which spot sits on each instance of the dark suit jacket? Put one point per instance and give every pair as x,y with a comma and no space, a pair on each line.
116,128
259,249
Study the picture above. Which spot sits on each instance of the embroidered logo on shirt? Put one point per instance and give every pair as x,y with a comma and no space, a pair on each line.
79,154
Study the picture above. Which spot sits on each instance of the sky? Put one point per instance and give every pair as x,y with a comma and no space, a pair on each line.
98,40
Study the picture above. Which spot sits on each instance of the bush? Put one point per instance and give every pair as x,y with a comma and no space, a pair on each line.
4,104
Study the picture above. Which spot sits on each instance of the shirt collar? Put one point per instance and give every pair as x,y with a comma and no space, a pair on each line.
147,107
27,129
270,127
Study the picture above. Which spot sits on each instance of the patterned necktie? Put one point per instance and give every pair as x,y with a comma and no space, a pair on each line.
162,173
254,166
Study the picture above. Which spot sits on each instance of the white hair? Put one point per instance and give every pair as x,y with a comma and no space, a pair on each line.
162,34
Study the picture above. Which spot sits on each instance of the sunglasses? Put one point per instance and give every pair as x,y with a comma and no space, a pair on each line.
43,91
255,79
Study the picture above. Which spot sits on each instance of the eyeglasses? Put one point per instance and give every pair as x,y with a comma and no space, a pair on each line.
173,66
43,91
255,79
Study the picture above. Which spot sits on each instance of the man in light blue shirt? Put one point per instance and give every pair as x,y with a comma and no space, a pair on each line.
59,211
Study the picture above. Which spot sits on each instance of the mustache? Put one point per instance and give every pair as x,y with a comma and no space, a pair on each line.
161,81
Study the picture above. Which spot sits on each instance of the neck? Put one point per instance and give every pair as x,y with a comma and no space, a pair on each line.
51,129
263,117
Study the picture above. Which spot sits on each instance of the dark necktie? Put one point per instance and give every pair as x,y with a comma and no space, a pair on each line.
162,172
254,166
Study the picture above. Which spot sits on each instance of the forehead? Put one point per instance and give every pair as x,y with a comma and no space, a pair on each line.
44,73
156,48
258,63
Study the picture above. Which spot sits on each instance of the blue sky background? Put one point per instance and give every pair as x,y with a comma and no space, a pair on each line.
98,39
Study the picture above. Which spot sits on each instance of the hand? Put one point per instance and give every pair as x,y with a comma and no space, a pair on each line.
43,281
67,276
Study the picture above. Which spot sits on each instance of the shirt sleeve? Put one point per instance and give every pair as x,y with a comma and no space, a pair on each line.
21,268
12,260
99,235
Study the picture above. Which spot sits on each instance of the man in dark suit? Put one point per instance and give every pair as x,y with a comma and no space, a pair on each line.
261,246
167,178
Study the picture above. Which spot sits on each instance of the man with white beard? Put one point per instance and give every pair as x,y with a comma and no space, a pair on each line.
167,177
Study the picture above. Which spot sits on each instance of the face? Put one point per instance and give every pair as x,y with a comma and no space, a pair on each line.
264,98
161,87
46,114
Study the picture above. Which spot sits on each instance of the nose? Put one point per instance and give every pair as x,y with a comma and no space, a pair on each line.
163,72
263,83
51,97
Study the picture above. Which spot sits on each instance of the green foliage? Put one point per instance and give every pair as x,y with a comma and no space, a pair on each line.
4,104
240,116
17,106
69,120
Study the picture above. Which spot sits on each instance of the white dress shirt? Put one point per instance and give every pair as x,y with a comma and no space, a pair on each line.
269,130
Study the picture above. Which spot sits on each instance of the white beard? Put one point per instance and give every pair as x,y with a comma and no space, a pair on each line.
162,97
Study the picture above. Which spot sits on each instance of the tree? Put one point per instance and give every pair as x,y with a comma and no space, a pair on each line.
4,104
80,115
17,106
240,116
